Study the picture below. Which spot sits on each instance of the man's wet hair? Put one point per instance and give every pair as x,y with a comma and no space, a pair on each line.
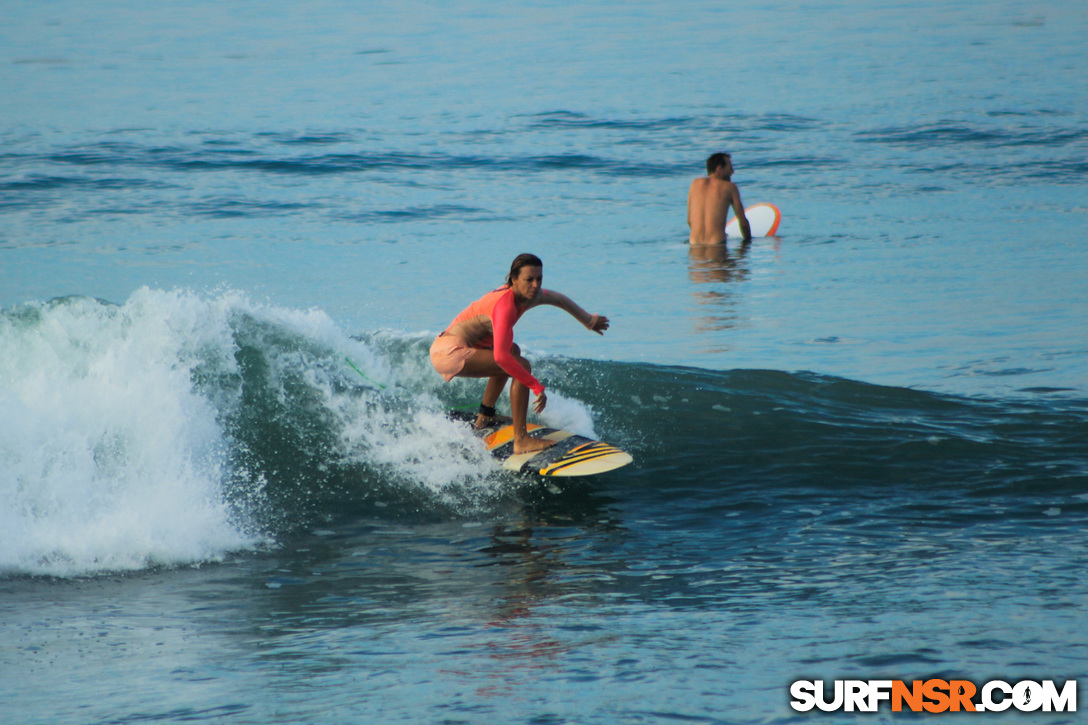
715,161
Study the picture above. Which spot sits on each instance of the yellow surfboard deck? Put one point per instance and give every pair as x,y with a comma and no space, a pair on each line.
572,454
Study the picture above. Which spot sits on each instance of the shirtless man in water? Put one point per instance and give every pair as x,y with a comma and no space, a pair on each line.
709,199
479,343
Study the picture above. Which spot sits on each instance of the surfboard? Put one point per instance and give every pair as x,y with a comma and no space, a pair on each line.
572,454
762,218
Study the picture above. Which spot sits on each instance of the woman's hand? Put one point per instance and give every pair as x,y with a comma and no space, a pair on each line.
540,402
598,324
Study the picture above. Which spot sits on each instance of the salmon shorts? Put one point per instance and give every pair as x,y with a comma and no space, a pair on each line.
448,355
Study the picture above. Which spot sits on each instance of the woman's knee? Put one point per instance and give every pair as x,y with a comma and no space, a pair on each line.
516,352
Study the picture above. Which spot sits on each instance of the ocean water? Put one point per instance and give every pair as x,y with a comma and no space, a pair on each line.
229,231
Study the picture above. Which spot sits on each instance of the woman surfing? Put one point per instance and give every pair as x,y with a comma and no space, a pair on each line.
479,343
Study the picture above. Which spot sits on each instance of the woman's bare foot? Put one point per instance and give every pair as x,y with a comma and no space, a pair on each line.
531,445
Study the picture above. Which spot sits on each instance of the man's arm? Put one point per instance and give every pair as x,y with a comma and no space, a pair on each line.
738,209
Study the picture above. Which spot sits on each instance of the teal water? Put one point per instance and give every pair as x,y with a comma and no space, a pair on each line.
860,446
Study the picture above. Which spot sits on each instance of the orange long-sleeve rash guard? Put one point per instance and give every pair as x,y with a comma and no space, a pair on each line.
489,323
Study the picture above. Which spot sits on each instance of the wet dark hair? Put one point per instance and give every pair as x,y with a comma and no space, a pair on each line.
522,260
715,161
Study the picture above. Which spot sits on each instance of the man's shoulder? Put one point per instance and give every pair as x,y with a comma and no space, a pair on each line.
725,188
702,185
718,187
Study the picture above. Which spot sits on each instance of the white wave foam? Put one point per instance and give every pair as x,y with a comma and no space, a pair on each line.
110,461
568,414
113,450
